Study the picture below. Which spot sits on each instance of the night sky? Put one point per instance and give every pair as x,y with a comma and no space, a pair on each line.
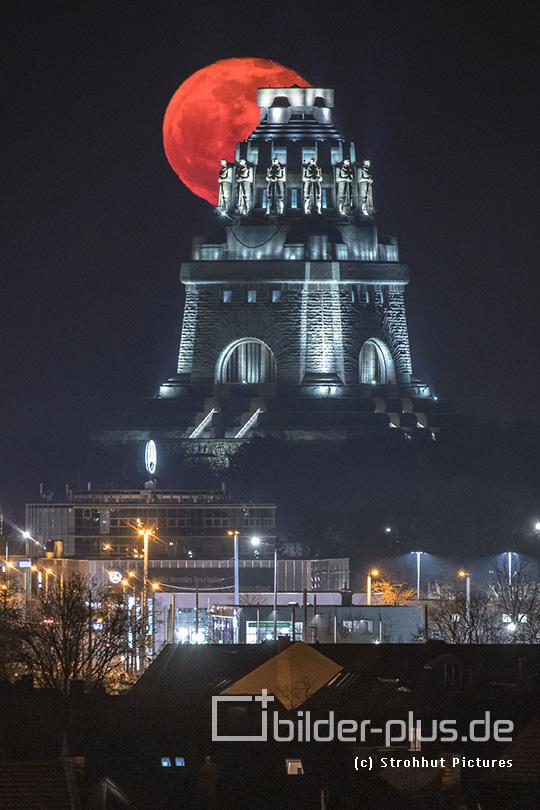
442,96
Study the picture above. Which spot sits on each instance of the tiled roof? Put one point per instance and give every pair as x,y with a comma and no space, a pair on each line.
34,786
524,752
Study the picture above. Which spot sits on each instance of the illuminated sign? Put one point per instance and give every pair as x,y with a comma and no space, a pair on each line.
115,577
150,456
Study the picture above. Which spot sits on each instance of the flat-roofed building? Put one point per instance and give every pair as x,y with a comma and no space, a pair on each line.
187,524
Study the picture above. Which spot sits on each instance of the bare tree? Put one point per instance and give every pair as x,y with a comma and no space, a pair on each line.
10,619
76,631
390,592
518,600
458,620
254,599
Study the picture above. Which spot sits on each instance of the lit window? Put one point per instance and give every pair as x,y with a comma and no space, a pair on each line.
294,198
179,762
323,197
165,762
251,296
294,767
276,296
227,296
263,201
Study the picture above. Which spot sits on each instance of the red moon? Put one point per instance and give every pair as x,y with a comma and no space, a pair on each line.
211,111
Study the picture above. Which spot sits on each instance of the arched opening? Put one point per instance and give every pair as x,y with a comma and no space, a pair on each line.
247,361
375,363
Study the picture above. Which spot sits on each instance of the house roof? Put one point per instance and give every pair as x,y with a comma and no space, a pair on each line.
34,786
293,676
524,752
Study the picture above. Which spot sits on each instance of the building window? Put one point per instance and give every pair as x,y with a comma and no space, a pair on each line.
246,361
276,296
251,296
294,198
309,153
226,296
323,197
165,762
375,363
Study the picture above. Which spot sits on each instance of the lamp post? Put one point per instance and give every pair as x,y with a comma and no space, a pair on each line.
509,559
256,542
373,573
234,533
47,572
26,537
145,532
467,577
418,556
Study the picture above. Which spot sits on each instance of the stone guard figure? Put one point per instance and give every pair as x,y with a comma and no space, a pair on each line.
275,187
344,183
312,178
365,188
225,180
244,185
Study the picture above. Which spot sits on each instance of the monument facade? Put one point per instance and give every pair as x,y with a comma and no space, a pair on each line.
294,324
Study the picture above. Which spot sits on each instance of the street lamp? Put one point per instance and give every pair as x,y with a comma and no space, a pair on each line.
467,577
418,556
47,572
146,532
373,573
26,537
256,542
509,559
234,533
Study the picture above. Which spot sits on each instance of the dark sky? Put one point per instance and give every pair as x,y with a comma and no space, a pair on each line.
443,96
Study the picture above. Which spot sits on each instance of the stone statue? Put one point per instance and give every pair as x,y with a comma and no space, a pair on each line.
344,183
225,180
365,188
312,178
275,187
244,185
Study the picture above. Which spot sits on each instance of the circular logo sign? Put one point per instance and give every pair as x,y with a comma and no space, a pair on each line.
115,577
150,456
